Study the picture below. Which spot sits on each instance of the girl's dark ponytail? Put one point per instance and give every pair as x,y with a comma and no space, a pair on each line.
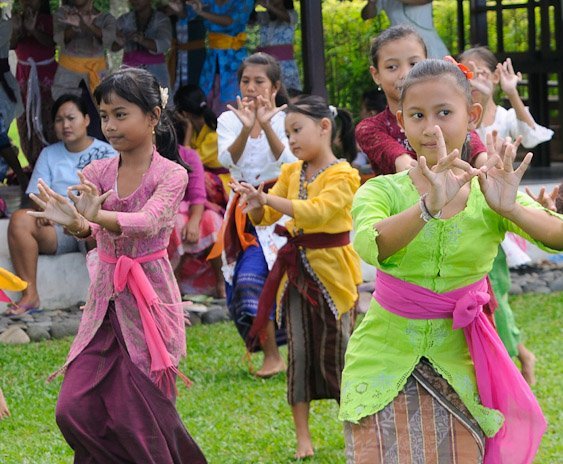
345,129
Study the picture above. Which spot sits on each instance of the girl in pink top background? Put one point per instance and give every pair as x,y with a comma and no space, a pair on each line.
132,330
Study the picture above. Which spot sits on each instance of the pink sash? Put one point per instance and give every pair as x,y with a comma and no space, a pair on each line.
500,384
128,271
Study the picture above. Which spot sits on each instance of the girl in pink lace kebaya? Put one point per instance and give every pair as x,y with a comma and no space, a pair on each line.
117,399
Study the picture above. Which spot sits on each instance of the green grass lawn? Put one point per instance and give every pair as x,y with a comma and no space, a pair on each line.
234,417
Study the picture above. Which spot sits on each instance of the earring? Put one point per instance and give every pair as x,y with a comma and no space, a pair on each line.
379,88
153,132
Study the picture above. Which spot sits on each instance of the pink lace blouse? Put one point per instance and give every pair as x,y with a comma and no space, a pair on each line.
146,218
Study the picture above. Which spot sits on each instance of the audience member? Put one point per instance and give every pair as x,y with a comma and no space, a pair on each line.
57,166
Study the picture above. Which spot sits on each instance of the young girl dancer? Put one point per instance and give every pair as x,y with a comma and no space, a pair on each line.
413,383
117,399
253,146
393,54
317,272
514,122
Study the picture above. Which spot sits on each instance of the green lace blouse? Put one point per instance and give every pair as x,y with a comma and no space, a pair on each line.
445,255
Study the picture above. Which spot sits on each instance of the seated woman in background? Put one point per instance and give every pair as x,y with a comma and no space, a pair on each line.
57,166
197,224
199,131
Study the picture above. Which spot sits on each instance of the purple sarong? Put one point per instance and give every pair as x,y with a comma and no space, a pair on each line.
110,412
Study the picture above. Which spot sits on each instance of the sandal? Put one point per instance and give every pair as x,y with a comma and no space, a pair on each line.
27,310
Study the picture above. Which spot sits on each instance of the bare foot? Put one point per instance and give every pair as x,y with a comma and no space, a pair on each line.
304,451
220,289
4,412
25,304
272,366
528,362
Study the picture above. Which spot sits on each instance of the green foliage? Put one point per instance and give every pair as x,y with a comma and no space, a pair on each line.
347,41
233,416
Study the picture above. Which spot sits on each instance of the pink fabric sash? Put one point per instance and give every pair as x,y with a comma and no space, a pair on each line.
129,272
139,58
281,52
500,384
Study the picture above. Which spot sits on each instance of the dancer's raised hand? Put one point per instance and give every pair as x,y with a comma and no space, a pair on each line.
508,78
447,177
245,111
547,200
89,201
54,207
498,179
266,108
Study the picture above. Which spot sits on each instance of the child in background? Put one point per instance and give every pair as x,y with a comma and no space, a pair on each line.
197,226
225,21
199,131
408,359
253,146
83,34
32,40
393,54
145,34
515,122
316,274
132,332
277,35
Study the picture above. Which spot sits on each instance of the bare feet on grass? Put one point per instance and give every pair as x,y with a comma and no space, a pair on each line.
272,365
4,412
528,363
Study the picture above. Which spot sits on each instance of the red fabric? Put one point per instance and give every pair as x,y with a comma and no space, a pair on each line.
382,140
288,261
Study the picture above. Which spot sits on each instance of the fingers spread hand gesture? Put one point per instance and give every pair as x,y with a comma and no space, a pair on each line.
54,207
266,108
499,180
245,111
544,199
88,201
508,78
447,177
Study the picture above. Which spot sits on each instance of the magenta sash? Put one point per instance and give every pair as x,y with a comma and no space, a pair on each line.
281,52
129,272
140,58
500,384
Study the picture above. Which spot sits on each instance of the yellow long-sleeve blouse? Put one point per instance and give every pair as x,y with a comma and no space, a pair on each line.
323,206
